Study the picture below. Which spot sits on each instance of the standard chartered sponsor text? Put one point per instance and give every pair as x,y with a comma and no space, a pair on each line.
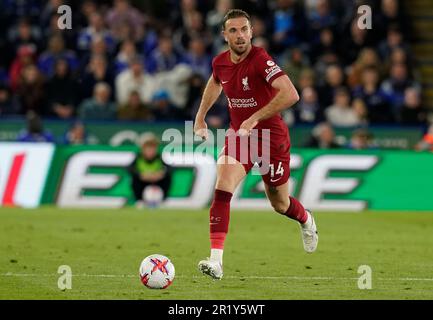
242,103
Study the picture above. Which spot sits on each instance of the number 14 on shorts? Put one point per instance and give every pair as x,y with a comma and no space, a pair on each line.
280,170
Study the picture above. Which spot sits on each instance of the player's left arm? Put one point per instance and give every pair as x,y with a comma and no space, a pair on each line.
286,97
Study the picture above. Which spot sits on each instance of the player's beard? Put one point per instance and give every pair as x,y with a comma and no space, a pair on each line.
238,51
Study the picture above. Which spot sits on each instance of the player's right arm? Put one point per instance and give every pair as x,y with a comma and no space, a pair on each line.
210,95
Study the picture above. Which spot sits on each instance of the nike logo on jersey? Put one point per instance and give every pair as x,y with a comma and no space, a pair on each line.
223,82
275,180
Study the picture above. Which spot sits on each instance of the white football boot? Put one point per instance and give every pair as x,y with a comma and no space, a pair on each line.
213,269
310,236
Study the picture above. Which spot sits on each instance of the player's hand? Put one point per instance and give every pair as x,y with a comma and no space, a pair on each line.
200,129
247,126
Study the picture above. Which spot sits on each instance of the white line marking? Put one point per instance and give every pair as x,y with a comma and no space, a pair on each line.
10,274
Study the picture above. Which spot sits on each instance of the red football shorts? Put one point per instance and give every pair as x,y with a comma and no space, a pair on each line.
271,156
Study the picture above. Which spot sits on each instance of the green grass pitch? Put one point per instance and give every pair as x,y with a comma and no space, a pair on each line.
264,258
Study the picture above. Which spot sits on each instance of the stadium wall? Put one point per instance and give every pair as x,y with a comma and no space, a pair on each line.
96,177
129,132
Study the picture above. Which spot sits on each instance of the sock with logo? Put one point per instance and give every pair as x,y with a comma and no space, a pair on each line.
219,218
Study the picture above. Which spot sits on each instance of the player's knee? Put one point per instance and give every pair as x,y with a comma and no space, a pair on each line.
280,206
228,185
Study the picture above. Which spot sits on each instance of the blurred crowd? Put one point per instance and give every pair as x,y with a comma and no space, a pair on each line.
150,60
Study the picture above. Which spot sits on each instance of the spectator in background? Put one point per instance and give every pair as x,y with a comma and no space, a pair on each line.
125,21
162,107
183,17
98,48
353,42
8,103
49,10
23,34
375,99
306,79
164,57
76,135
96,71
197,58
196,85
134,79
68,35
127,53
308,109
324,61
35,131
62,92
361,139
150,41
214,20
391,14
325,46
341,114
259,27
87,8
320,18
25,57
148,168
99,107
31,91
399,55
96,28
294,65
361,111
56,50
175,82
261,42
395,86
134,109
289,25
215,16
393,40
334,79
196,28
367,58
322,137
412,112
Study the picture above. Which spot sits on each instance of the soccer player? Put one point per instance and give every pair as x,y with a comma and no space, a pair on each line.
257,90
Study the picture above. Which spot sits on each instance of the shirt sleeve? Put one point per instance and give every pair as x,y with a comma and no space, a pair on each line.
267,68
214,73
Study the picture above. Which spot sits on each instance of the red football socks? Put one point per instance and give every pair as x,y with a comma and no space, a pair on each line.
219,218
296,211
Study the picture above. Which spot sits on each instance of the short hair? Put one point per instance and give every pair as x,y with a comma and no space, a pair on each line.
235,13
341,91
101,86
149,138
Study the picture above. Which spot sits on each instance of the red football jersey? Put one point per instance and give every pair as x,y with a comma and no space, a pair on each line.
247,86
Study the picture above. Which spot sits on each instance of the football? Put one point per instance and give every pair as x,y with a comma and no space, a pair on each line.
157,271
153,196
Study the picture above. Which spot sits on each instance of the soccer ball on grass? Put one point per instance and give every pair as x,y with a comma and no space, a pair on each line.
157,271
